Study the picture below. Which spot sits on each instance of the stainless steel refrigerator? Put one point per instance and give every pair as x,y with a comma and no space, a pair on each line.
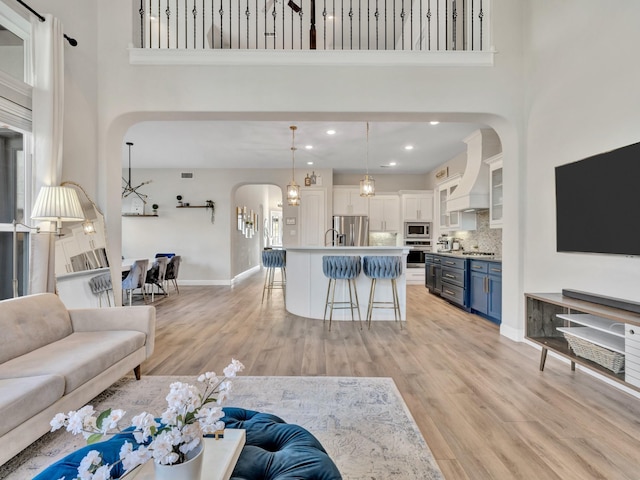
351,230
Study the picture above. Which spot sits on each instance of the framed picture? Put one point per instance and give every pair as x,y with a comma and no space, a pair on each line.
290,220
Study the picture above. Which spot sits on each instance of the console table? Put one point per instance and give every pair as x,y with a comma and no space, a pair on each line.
552,317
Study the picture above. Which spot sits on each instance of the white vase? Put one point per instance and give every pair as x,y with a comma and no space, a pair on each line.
189,470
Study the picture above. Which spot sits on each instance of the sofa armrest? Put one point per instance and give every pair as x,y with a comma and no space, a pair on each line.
140,318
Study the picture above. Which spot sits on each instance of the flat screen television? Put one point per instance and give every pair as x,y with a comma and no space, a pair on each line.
598,203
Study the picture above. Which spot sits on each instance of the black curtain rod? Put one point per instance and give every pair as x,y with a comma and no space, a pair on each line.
72,41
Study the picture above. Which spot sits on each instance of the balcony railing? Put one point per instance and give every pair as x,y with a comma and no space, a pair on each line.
420,25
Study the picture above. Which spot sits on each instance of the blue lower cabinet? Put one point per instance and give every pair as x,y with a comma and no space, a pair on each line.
485,296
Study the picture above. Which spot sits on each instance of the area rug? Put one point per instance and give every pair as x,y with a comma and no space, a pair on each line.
363,423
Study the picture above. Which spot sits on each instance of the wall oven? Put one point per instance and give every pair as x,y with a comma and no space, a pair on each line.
417,252
419,230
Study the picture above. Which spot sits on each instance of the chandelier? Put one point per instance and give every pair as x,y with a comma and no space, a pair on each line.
293,189
367,184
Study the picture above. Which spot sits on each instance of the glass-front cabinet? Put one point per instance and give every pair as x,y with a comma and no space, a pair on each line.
495,190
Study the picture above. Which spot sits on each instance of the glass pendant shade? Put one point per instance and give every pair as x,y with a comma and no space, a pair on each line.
293,194
293,189
367,186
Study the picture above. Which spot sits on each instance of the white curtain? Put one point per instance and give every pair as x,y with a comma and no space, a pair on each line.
48,109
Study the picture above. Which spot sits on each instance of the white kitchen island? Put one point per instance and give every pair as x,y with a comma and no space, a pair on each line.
307,285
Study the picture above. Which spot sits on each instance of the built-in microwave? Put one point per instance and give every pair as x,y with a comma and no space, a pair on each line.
417,230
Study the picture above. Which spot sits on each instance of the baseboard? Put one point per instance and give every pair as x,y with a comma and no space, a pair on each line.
620,303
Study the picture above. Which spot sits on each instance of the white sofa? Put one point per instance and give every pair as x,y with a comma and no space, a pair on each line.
55,360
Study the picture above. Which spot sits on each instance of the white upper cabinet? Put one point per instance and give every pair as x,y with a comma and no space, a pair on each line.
417,206
384,213
347,201
495,190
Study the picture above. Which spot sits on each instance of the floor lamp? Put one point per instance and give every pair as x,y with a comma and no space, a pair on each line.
55,204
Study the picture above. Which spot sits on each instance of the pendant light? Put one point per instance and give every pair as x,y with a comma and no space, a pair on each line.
293,189
367,184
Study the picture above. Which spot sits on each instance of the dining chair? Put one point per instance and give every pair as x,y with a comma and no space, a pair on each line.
136,279
171,275
155,276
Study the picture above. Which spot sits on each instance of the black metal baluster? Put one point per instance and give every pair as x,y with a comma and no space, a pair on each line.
283,27
454,18
149,22
437,25
239,25
394,25
446,25
168,12
141,12
257,38
203,25
359,24
324,24
221,13
274,14
350,24
265,24
158,26
247,14
341,24
411,25
429,25
301,14
421,26
186,24
473,22
177,28
368,26
195,18
481,16
333,23
213,37
230,24
386,24
402,15
464,25
377,16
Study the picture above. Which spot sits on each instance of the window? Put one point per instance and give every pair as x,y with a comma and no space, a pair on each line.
13,205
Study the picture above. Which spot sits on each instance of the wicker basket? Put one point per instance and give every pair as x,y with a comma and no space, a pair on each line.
613,361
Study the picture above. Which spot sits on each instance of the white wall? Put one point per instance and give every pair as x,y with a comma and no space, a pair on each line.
126,94
582,99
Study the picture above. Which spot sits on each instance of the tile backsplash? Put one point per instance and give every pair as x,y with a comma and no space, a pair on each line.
485,238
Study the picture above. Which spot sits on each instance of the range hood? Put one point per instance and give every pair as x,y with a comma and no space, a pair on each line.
472,192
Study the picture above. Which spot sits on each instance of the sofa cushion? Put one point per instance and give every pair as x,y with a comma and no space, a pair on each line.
79,357
22,398
31,322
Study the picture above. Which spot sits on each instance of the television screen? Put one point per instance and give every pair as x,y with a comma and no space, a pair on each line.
598,203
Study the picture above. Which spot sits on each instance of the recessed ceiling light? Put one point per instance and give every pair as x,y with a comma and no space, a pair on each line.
408,147
392,164
434,122
308,147
309,163
331,132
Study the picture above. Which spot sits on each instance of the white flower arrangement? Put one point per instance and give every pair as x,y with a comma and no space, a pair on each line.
190,414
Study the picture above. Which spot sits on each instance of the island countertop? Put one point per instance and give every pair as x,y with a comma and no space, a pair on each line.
306,289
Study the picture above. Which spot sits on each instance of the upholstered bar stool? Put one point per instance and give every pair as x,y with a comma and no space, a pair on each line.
272,259
341,267
383,268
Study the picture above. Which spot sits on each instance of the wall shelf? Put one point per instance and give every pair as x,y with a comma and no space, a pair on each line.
139,215
191,206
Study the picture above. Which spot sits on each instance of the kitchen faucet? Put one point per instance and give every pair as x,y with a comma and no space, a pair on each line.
334,236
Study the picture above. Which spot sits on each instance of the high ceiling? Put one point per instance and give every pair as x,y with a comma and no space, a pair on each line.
267,144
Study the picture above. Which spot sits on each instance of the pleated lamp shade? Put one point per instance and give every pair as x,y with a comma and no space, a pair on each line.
59,204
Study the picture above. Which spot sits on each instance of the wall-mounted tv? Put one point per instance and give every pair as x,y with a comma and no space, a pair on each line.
598,203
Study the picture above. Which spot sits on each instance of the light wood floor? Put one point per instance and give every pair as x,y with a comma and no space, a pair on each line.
482,405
